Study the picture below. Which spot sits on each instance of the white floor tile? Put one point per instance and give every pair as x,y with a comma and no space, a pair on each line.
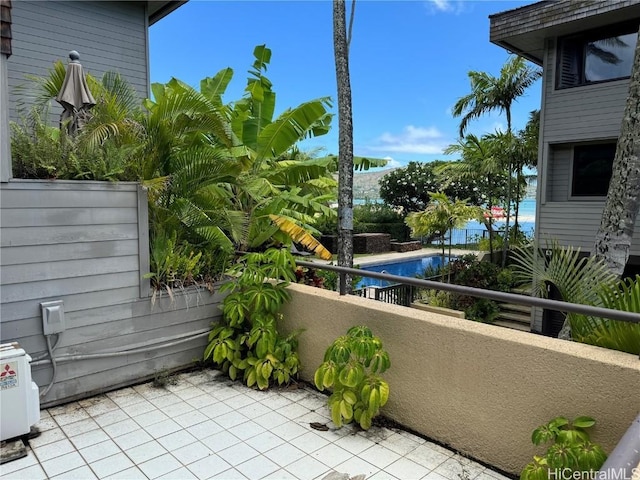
281,474
53,450
247,430
62,464
264,441
400,444
270,420
165,400
434,476
204,429
132,473
111,417
19,464
208,466
427,457
191,453
354,443
47,423
293,411
110,465
83,426
191,418
69,413
47,436
95,406
135,409
156,467
382,475
309,442
405,468
148,391
284,454
215,410
457,467
379,456
331,455
289,430
203,400
275,402
254,410
240,401
231,419
145,452
357,466
307,467
257,467
99,451
132,439
166,427
149,418
219,441
231,474
176,440
82,473
179,474
121,428
190,392
89,438
180,408
33,472
238,453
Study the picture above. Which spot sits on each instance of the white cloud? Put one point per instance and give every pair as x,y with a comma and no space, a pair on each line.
416,140
445,6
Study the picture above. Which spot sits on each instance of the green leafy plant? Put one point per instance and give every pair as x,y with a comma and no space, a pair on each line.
246,343
352,367
571,450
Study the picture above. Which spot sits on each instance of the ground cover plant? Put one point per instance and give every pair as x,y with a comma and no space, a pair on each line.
352,368
246,343
571,453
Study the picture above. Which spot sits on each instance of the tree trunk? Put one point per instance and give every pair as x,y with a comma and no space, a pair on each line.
505,244
345,144
613,240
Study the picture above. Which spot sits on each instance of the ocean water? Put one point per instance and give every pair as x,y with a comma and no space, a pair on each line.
526,218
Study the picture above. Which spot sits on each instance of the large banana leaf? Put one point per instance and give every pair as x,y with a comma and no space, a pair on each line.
214,87
299,235
291,127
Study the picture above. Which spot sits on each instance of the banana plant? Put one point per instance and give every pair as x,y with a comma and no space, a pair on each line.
352,367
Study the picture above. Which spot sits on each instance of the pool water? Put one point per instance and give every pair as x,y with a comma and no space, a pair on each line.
407,268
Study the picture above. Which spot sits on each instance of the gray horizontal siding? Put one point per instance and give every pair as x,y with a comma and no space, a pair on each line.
108,36
559,178
575,223
84,243
590,112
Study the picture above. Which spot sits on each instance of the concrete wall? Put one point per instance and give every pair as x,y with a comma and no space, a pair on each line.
479,388
86,243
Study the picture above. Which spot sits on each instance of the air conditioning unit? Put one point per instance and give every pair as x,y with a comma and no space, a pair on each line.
19,396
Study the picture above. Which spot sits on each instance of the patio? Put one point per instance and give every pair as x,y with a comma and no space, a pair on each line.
205,426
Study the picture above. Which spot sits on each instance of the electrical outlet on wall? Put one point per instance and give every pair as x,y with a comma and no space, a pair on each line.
53,317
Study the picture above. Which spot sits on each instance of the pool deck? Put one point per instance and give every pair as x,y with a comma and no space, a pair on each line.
392,257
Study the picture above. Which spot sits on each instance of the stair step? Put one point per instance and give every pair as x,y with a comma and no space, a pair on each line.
516,317
512,307
512,325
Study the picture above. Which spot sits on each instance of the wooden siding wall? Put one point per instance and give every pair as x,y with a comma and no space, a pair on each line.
108,36
86,243
572,116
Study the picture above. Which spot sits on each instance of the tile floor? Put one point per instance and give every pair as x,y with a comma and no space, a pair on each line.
206,427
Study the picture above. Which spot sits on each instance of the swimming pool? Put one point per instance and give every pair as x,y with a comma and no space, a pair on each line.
406,268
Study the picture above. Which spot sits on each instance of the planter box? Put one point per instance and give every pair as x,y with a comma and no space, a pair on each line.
441,310
371,243
406,246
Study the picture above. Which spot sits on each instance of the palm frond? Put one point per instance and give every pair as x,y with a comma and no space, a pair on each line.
299,235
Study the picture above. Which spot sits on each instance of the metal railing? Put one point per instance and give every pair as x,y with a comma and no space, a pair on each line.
395,294
557,305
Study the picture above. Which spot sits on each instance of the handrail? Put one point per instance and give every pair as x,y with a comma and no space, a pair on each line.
490,294
625,458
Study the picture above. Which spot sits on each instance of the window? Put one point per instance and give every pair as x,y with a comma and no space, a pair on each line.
592,166
596,56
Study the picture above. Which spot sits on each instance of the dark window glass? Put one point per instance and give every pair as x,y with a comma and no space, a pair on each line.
596,56
609,58
592,166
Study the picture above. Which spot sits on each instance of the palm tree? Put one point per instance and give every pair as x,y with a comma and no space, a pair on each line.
479,161
613,240
345,140
489,93
441,215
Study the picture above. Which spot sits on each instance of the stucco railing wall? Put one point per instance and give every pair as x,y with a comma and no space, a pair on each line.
87,244
478,388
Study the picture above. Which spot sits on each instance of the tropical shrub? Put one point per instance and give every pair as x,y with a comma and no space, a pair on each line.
571,455
246,344
409,187
352,367
587,281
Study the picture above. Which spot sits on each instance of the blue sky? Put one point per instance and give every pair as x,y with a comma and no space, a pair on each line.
408,64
